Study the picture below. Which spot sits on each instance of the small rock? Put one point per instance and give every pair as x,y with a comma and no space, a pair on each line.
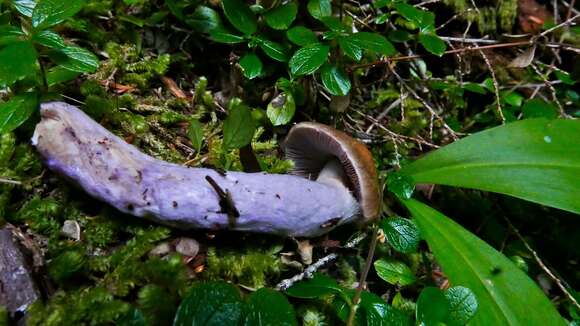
187,246
71,229
161,250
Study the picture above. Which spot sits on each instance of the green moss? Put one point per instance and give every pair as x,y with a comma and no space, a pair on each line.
4,317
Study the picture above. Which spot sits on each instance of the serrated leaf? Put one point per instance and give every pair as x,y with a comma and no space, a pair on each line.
281,109
251,65
308,59
374,42
319,8
432,43
195,134
16,111
47,13
334,24
204,19
281,17
301,35
222,35
394,272
538,108
402,234
240,15
534,159
462,305
317,287
335,80
504,292
268,307
432,307
239,127
214,303
379,313
22,59
24,7
274,50
57,75
350,48
78,59
49,39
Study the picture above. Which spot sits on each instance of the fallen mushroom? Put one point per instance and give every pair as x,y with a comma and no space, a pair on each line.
117,173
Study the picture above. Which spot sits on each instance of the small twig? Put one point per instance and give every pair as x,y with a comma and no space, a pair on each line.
542,265
551,88
363,276
495,86
562,24
12,182
385,112
310,270
225,200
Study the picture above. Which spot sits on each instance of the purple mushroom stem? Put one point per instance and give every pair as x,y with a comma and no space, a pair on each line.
108,168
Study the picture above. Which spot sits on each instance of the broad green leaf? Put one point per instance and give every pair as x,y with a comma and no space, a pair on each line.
399,36
350,48
51,12
214,303
462,305
57,75
401,233
49,39
335,80
394,272
432,307
319,8
16,111
268,307
301,35
473,87
432,43
505,294
10,34
22,59
251,65
374,42
317,287
78,59
240,15
177,7
401,185
204,19
334,24
274,50
239,127
535,159
538,108
25,7
281,109
223,35
308,59
423,19
511,98
379,313
281,17
195,134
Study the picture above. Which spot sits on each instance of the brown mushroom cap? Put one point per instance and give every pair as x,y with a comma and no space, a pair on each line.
311,145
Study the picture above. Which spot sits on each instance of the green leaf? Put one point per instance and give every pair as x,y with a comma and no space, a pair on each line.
251,66
281,109
133,318
281,17
538,108
204,19
240,15
512,98
223,35
239,127
301,36
10,34
379,313
195,134
394,272
374,42
350,48
334,24
401,233
268,307
432,307
274,50
534,159
16,111
399,36
58,74
22,59
25,7
462,305
51,12
425,20
78,59
505,294
49,39
308,59
335,80
214,303
432,43
473,87
319,8
317,287
401,185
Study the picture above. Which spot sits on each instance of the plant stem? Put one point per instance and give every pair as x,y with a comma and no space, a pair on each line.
363,276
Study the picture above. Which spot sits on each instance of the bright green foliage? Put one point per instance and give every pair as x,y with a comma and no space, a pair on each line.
239,127
251,65
195,134
402,234
22,58
432,307
281,109
214,303
401,185
394,272
432,43
282,17
335,80
308,59
504,293
47,13
301,36
462,305
16,111
538,108
268,307
318,286
240,15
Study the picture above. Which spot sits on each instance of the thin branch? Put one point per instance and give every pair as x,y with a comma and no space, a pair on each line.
552,90
562,24
495,86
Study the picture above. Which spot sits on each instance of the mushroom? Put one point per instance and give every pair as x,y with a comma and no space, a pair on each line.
108,168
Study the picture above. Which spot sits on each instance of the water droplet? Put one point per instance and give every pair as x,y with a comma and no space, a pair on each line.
548,139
